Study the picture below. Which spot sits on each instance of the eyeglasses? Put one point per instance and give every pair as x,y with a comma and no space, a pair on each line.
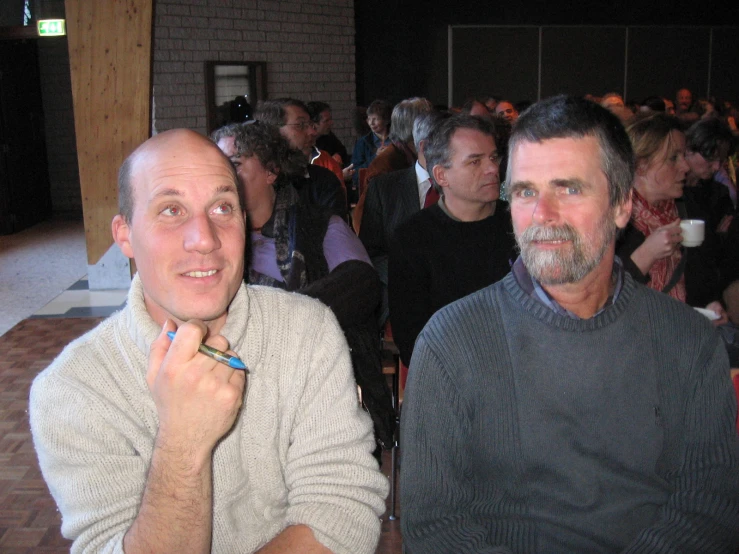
303,125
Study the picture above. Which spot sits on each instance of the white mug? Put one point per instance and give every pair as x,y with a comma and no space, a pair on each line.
694,231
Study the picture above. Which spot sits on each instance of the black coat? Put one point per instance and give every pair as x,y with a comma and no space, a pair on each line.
391,199
322,188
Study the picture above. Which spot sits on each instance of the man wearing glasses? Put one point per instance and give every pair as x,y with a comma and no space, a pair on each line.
321,185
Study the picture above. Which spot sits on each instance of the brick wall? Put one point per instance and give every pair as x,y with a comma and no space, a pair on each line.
308,47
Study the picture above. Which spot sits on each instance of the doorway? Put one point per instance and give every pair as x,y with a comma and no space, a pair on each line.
25,192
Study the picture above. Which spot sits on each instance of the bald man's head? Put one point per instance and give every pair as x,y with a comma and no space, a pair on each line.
181,221
177,142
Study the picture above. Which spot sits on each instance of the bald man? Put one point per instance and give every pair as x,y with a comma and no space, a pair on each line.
507,111
149,445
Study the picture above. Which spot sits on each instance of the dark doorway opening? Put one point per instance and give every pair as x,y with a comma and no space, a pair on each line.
25,192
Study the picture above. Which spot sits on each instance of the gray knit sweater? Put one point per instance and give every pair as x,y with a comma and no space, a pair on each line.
526,431
300,451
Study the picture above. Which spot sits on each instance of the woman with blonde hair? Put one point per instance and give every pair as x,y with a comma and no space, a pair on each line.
651,245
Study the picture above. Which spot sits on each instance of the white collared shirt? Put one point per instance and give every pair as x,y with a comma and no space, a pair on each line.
424,183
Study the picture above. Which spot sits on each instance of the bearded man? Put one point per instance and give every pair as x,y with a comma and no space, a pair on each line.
567,408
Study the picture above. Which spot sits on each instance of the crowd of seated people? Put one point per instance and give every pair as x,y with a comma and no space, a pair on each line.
427,211
704,185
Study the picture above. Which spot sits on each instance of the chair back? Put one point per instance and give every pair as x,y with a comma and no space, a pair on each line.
362,181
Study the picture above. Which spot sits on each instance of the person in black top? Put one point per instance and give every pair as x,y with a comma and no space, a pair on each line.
318,185
457,246
320,114
707,145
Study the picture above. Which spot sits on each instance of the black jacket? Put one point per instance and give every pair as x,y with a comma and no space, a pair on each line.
322,188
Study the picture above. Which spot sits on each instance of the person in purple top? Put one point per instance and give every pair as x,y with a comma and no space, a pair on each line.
305,248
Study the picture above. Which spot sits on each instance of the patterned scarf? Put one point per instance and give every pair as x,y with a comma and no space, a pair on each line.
647,219
298,231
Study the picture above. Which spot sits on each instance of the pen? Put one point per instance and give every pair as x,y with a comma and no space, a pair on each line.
217,355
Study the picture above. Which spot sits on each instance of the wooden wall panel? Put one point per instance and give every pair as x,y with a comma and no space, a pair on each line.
110,63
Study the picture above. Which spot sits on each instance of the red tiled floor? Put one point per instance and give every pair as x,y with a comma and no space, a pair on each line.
21,536
14,518
29,520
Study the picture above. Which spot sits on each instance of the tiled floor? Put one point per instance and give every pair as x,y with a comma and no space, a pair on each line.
38,264
29,521
80,301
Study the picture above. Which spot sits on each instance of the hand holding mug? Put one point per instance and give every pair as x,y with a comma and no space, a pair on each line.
662,242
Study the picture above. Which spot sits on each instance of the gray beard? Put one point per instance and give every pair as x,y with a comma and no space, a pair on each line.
559,267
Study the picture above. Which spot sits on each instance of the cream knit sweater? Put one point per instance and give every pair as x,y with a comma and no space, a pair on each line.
300,451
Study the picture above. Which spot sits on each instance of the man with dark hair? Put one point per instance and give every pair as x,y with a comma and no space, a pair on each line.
149,443
684,100
684,106
291,117
567,408
707,145
652,104
393,197
320,113
459,245
506,111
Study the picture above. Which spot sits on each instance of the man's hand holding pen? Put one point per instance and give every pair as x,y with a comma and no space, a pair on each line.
197,397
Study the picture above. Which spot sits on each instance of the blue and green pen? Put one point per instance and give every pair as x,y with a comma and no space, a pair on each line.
217,355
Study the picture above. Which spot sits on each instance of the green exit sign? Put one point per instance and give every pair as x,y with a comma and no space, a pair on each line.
51,27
